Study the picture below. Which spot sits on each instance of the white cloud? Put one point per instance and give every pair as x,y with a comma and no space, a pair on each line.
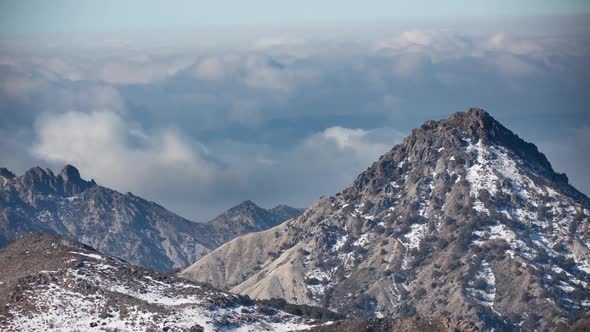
253,71
122,68
211,68
506,43
118,154
406,39
136,72
360,147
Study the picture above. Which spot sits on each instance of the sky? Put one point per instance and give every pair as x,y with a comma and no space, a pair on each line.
201,105
113,15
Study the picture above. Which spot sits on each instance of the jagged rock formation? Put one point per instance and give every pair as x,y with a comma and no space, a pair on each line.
463,219
122,225
50,283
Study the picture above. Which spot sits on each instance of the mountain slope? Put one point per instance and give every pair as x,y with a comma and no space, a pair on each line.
122,225
125,226
49,283
463,219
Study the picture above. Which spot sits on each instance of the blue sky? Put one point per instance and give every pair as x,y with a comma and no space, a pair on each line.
201,105
133,15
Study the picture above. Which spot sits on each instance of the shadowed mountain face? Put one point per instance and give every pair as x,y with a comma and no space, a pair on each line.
122,225
463,219
50,283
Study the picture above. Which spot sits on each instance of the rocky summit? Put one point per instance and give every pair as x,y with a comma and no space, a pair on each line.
50,283
121,225
463,219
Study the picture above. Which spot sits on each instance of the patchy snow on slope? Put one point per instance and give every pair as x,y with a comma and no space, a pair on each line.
64,304
415,236
493,165
485,278
362,241
340,242
411,240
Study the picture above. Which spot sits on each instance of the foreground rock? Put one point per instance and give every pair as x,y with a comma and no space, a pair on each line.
49,283
463,219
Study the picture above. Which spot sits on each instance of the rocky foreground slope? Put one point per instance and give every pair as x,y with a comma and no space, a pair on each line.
122,225
463,219
50,283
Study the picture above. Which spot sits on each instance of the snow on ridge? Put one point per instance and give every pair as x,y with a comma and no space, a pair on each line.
493,164
95,256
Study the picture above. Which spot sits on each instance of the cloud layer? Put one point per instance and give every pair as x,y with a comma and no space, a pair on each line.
286,119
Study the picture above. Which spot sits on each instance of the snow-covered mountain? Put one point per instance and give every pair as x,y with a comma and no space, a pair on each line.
122,225
463,219
50,283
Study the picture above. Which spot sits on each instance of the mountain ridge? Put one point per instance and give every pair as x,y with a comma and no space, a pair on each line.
123,225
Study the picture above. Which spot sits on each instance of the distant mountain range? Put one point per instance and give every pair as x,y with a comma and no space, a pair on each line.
463,220
122,225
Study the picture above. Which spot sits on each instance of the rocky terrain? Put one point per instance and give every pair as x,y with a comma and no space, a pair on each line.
50,283
121,225
397,325
463,220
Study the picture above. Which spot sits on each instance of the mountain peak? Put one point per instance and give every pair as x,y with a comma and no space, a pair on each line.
70,173
39,173
474,126
248,204
248,217
6,173
71,181
472,115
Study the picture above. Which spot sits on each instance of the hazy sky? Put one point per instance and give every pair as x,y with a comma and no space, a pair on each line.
115,15
200,105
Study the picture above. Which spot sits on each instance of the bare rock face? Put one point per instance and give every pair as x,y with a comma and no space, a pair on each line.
122,225
463,219
49,283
